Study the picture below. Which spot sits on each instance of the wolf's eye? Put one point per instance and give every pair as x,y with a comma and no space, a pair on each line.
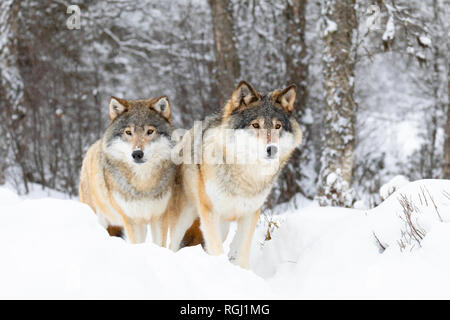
255,125
278,126
150,131
128,132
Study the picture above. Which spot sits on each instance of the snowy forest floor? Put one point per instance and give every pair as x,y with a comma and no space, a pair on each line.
53,247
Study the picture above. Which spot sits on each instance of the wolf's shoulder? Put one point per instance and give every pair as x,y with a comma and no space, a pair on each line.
94,148
211,121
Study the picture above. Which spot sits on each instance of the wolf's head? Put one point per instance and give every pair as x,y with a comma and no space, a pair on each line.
140,130
263,124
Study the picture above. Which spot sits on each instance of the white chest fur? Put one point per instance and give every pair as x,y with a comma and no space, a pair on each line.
144,209
232,207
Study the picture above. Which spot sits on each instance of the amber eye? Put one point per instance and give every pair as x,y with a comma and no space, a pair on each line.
128,132
255,125
278,126
150,131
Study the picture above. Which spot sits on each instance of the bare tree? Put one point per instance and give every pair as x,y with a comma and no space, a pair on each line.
338,64
12,110
446,169
297,73
296,64
426,39
227,60
55,82
433,39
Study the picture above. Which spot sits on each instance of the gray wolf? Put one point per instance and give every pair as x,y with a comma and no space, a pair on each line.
127,175
242,149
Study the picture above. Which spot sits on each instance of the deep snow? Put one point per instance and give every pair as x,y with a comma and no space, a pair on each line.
54,248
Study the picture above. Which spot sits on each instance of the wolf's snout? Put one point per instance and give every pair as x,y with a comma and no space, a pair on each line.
272,151
137,155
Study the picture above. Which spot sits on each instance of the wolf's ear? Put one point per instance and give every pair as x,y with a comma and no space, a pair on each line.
116,107
286,97
242,96
162,105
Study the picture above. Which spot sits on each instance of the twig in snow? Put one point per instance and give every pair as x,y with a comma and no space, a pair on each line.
413,232
434,204
381,246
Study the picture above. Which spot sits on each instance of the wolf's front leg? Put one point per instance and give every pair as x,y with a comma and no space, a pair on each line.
240,247
140,232
159,230
135,232
211,228
179,226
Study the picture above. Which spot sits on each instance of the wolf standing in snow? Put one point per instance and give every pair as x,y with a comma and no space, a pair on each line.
127,176
242,150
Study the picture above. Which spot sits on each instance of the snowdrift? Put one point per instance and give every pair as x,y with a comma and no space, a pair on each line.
52,248
56,249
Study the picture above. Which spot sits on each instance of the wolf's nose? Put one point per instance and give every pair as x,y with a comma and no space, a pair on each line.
137,155
272,151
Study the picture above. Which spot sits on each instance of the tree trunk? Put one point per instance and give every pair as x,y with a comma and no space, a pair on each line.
296,73
446,165
12,109
296,65
11,81
338,63
227,60
446,168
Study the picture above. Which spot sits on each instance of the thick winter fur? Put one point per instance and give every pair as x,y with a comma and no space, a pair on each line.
127,176
221,192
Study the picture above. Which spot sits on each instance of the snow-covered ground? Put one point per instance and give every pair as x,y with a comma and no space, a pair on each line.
54,248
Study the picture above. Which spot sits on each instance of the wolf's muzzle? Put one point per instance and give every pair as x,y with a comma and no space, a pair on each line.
271,151
137,156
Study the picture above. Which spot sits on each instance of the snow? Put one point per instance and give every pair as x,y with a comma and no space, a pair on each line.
330,28
331,178
36,191
8,197
394,184
55,248
421,55
410,50
308,117
332,253
387,219
389,33
338,188
424,40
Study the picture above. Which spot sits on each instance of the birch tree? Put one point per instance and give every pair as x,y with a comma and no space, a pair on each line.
338,65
